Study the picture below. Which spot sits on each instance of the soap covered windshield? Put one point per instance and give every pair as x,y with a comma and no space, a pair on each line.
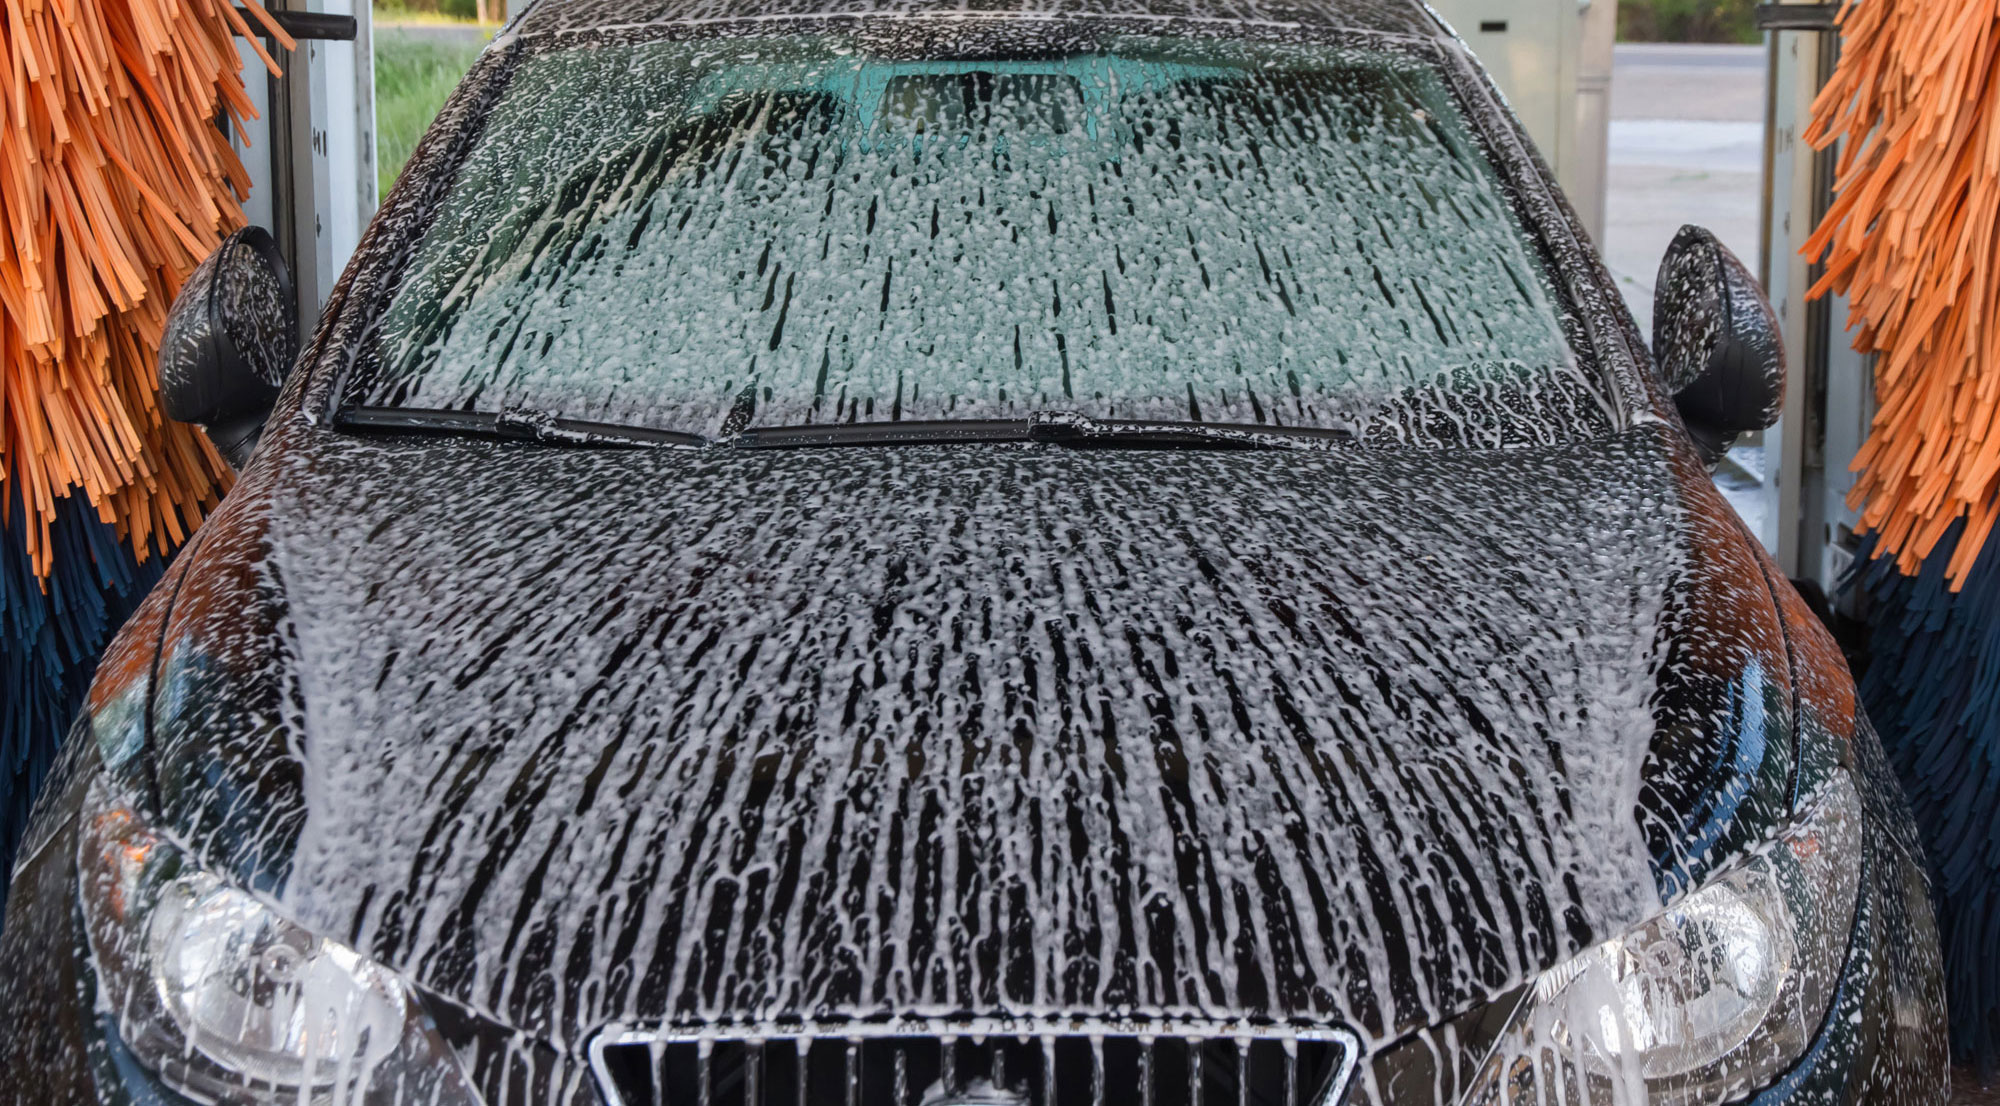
715,235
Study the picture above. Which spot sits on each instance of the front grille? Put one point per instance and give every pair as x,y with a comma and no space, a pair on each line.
955,1066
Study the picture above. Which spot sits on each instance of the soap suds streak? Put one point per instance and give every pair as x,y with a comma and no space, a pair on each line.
1006,730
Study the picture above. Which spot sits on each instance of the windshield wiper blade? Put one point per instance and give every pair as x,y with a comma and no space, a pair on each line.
1069,429
1062,428
1054,428
514,424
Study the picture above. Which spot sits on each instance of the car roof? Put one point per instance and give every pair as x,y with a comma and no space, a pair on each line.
1397,17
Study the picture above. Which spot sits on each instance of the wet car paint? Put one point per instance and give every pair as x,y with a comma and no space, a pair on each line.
604,854
748,713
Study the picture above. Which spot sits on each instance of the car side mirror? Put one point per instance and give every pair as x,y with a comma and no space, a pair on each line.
1716,341
230,339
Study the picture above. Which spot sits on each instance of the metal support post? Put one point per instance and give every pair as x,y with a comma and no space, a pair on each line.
1829,400
312,156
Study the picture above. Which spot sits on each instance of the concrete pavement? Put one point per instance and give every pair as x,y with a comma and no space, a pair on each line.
1687,146
1677,81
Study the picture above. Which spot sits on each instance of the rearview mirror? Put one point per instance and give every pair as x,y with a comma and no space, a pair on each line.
230,339
1716,341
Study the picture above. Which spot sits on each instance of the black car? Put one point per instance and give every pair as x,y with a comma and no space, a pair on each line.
956,554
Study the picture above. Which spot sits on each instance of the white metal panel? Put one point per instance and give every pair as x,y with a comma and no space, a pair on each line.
311,153
1588,177
1552,60
1528,46
1793,82
1829,390
333,176
344,82
256,152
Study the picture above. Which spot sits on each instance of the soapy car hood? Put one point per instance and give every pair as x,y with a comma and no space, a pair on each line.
587,737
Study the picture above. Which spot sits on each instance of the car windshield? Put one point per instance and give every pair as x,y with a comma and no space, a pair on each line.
783,231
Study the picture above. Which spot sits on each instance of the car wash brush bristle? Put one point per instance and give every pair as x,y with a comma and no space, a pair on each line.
114,182
1911,241
1914,241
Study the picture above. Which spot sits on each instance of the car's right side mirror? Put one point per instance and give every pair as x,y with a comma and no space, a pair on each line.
1716,342
230,339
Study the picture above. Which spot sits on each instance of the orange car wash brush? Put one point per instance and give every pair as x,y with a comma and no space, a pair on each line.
1914,241
115,180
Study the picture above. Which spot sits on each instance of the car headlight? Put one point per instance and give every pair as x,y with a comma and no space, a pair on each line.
226,1002
1708,1002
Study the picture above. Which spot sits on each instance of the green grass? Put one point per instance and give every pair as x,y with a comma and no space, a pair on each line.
390,16
412,80
424,11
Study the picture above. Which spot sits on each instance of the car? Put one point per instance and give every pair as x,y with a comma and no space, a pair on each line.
973,554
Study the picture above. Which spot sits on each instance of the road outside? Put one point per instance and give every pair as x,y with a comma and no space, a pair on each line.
1687,146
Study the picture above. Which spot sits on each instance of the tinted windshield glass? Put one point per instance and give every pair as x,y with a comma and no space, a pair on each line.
712,235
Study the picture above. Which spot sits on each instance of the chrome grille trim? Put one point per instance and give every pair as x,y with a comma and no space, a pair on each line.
760,1039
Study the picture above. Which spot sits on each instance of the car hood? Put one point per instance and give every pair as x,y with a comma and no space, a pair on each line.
585,737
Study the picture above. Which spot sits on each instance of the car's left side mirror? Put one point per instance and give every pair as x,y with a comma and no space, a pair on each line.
1716,341
230,339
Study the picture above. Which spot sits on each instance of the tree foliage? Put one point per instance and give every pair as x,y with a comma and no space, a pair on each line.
1688,21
